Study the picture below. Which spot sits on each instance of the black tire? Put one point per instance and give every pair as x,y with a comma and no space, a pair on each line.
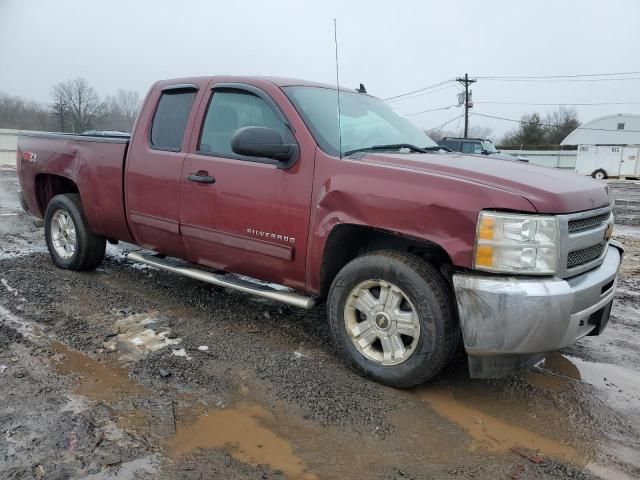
90,248
432,298
600,173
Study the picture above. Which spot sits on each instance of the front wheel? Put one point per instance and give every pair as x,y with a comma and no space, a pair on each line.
71,244
392,318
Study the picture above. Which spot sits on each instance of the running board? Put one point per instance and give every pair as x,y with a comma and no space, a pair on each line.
220,280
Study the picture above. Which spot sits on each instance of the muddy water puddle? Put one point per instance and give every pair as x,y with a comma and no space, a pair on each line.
539,428
620,384
96,380
495,434
240,431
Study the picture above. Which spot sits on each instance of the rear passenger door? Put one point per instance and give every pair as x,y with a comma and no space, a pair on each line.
243,214
154,168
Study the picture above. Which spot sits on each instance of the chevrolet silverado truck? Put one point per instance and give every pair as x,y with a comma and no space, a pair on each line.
258,183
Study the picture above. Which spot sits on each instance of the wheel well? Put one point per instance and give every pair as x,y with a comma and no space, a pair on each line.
347,242
48,186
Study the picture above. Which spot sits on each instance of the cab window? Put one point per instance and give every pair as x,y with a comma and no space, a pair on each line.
170,119
230,110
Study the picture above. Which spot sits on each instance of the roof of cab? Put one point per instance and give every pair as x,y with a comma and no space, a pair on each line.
279,81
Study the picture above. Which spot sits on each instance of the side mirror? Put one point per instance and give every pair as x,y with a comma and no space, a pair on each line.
262,142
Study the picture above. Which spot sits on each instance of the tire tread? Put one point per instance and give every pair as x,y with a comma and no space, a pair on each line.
90,247
449,336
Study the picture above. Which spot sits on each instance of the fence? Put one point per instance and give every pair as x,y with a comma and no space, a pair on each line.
8,145
548,158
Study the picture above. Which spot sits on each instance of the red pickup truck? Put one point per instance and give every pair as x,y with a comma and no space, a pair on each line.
333,195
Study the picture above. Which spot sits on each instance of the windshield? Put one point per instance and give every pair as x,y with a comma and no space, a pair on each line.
488,146
365,121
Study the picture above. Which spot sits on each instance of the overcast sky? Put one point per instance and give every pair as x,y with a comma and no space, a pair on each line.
390,46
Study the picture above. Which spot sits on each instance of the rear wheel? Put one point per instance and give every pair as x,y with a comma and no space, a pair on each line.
71,244
599,174
392,318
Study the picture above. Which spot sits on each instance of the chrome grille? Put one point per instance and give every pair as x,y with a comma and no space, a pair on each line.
585,255
582,224
582,240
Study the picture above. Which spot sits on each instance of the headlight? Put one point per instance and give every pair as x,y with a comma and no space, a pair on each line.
514,243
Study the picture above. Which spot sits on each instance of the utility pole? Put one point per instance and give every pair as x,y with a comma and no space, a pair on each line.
466,81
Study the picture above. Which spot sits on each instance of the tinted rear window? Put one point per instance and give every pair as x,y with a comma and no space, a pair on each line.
170,119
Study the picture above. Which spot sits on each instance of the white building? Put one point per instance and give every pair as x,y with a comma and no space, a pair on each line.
8,145
608,146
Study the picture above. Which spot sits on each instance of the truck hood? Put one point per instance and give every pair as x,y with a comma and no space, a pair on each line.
550,190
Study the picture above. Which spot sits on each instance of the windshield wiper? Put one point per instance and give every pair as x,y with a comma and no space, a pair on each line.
392,146
437,148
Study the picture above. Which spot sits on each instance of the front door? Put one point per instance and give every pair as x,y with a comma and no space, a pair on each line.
628,161
244,214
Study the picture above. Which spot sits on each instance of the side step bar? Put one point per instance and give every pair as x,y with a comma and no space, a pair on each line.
265,291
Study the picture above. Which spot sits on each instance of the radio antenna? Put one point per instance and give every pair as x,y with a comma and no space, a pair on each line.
335,40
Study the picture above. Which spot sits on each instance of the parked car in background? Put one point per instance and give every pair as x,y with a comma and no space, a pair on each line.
478,146
411,248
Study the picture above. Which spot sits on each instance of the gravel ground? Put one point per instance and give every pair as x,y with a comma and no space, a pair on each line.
130,372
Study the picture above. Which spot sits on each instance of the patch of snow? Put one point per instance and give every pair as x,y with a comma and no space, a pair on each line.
203,348
23,326
137,340
9,288
181,352
21,251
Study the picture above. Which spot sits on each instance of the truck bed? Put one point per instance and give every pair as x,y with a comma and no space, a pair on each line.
93,163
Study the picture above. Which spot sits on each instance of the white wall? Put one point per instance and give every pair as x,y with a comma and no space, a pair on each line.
8,145
548,158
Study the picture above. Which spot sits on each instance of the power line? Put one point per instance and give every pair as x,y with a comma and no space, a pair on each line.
580,77
551,125
428,92
435,85
505,77
558,104
445,123
556,80
431,110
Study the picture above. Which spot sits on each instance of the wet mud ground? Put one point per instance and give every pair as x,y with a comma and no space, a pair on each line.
131,373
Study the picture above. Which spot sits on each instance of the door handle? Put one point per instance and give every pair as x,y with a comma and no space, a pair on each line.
201,177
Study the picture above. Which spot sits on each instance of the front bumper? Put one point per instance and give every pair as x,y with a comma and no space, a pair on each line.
509,323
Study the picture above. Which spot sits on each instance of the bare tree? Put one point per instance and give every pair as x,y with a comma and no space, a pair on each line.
477,131
80,100
59,107
560,123
121,110
534,130
17,113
